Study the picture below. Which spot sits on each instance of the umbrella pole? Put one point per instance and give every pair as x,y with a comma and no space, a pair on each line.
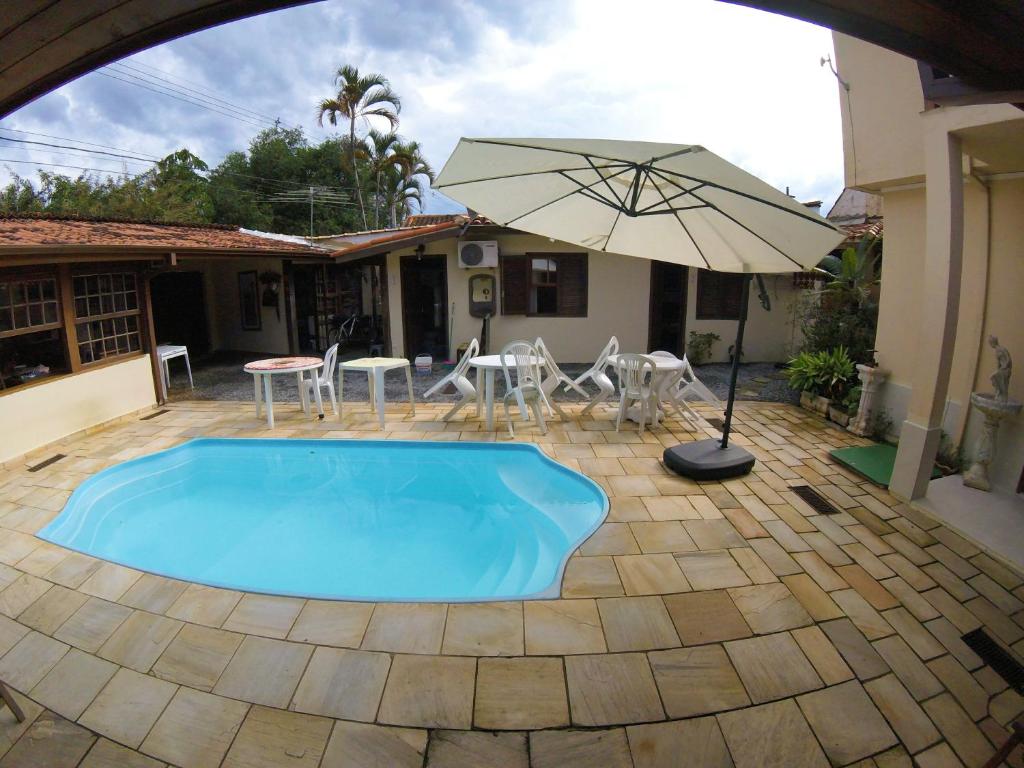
737,353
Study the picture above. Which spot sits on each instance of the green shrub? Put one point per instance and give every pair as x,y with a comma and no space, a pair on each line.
837,370
698,350
827,373
804,373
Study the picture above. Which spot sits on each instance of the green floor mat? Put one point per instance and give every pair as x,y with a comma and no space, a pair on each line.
875,462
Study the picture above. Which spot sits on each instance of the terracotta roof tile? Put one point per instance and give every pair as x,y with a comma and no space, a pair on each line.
19,233
426,219
855,232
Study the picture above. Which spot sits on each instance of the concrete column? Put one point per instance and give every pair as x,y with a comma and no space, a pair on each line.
938,312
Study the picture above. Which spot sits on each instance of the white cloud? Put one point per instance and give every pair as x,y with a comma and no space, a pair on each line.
743,83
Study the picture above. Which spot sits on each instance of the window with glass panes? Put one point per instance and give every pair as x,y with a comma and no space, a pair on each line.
106,315
29,305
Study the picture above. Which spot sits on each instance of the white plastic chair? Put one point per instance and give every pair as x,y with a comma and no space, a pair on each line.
685,386
325,379
459,380
525,358
636,384
597,373
693,388
554,377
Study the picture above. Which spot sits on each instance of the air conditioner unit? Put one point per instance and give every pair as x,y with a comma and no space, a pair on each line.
478,254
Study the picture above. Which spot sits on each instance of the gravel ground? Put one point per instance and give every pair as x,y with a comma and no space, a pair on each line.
220,377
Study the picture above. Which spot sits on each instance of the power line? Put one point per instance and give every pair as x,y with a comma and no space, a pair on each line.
76,141
65,165
204,92
189,94
180,98
79,157
65,146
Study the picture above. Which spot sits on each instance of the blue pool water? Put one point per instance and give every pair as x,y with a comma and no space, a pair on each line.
365,520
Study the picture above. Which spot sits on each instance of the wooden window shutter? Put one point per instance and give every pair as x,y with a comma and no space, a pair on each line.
572,285
718,295
515,285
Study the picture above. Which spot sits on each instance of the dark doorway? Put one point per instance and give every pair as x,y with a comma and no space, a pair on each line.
425,306
667,329
179,311
668,308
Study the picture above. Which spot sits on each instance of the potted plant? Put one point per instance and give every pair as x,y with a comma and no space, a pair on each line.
804,375
836,370
842,413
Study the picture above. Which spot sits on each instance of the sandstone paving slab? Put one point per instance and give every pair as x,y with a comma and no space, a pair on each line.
264,671
636,624
197,656
696,681
73,683
905,715
429,692
771,736
706,617
772,667
580,749
196,729
484,629
848,725
477,749
343,683
769,608
360,745
612,689
128,706
695,743
326,622
520,693
269,738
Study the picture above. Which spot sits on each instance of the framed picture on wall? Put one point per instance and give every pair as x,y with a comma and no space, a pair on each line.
249,301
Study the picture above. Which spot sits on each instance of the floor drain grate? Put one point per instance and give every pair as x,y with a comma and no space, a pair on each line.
48,462
154,415
814,500
996,657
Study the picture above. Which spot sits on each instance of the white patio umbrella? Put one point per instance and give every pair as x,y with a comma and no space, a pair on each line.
671,202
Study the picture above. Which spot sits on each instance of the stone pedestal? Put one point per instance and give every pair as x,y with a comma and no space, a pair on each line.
995,411
870,380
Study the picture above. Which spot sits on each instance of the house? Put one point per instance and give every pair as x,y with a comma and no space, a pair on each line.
576,299
950,180
84,303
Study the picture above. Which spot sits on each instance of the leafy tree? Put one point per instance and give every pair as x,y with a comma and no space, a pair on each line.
359,97
846,310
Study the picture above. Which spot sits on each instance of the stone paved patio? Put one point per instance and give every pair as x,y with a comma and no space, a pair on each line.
718,624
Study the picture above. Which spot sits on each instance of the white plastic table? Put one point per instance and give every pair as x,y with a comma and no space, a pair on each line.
486,365
265,370
165,352
375,368
664,367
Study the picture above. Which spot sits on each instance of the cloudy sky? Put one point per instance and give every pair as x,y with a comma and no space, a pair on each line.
743,83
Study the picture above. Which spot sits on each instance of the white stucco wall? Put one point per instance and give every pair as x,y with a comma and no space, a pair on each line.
37,415
618,304
223,307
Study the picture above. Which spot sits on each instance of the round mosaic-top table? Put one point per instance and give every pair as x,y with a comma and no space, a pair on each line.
265,369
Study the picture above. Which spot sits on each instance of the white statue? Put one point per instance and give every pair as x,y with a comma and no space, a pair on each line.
1001,378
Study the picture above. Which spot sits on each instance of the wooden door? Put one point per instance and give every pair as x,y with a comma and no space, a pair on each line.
667,326
425,306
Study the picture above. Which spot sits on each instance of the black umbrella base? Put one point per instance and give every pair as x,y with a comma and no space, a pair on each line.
706,460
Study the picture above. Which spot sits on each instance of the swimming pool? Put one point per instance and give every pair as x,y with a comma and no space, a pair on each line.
342,519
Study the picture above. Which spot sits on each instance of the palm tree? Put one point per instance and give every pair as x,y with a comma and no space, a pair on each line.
386,159
414,166
359,96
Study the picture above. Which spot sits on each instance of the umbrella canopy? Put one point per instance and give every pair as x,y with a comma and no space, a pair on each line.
671,202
